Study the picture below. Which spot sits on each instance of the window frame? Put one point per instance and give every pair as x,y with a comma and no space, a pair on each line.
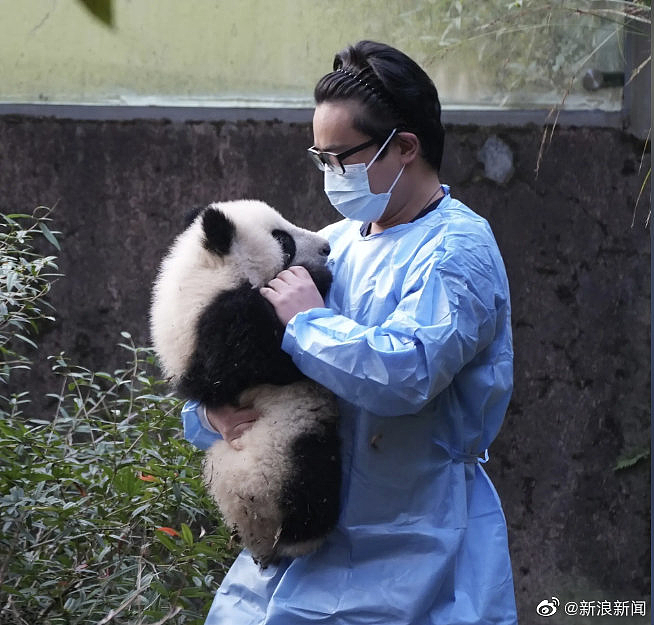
634,116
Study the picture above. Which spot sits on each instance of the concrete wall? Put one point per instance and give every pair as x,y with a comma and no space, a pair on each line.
578,269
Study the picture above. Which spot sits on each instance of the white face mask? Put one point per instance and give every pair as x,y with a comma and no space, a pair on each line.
350,193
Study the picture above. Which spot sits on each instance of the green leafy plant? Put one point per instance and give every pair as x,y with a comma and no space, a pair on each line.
104,517
538,48
25,279
629,460
102,10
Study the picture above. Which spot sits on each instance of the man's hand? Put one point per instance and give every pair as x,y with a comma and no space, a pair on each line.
231,422
291,292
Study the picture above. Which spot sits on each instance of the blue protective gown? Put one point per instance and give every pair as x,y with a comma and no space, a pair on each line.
415,340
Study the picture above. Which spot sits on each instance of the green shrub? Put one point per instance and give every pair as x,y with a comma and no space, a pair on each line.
104,518
25,279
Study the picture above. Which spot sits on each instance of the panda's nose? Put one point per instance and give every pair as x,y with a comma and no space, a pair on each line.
325,249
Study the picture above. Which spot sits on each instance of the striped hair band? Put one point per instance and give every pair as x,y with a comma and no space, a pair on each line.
380,92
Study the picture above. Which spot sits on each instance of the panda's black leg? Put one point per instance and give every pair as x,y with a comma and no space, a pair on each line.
311,496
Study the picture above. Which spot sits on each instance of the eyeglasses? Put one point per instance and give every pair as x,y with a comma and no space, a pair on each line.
334,162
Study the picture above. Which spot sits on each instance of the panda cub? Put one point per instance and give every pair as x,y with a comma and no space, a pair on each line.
219,341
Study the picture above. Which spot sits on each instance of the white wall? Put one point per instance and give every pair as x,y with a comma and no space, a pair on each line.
480,53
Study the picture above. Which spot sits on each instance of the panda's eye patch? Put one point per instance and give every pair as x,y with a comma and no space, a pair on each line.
288,245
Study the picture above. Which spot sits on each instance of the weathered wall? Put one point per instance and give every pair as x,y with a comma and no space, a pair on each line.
578,270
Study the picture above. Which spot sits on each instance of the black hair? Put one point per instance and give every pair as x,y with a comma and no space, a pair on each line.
393,89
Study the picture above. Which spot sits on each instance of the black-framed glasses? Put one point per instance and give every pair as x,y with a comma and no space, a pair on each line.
334,162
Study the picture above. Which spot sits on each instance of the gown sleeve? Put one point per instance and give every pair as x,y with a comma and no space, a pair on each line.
446,314
197,430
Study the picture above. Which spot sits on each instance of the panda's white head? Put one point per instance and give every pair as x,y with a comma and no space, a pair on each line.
256,242
225,245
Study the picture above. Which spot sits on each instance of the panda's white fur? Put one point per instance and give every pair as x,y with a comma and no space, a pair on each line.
291,452
199,274
246,484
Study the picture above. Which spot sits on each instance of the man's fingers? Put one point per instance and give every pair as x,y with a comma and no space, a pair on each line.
299,271
270,294
276,283
292,274
291,292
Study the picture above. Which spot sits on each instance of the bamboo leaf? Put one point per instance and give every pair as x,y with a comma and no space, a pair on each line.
187,534
47,233
101,10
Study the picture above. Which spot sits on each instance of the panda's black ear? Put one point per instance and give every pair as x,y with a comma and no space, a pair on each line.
219,231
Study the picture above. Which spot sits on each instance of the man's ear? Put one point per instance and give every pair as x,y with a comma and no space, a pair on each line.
409,146
219,231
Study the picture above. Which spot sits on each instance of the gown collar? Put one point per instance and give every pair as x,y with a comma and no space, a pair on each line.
365,226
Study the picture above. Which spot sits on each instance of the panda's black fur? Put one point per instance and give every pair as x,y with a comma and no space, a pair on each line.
281,491
245,354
